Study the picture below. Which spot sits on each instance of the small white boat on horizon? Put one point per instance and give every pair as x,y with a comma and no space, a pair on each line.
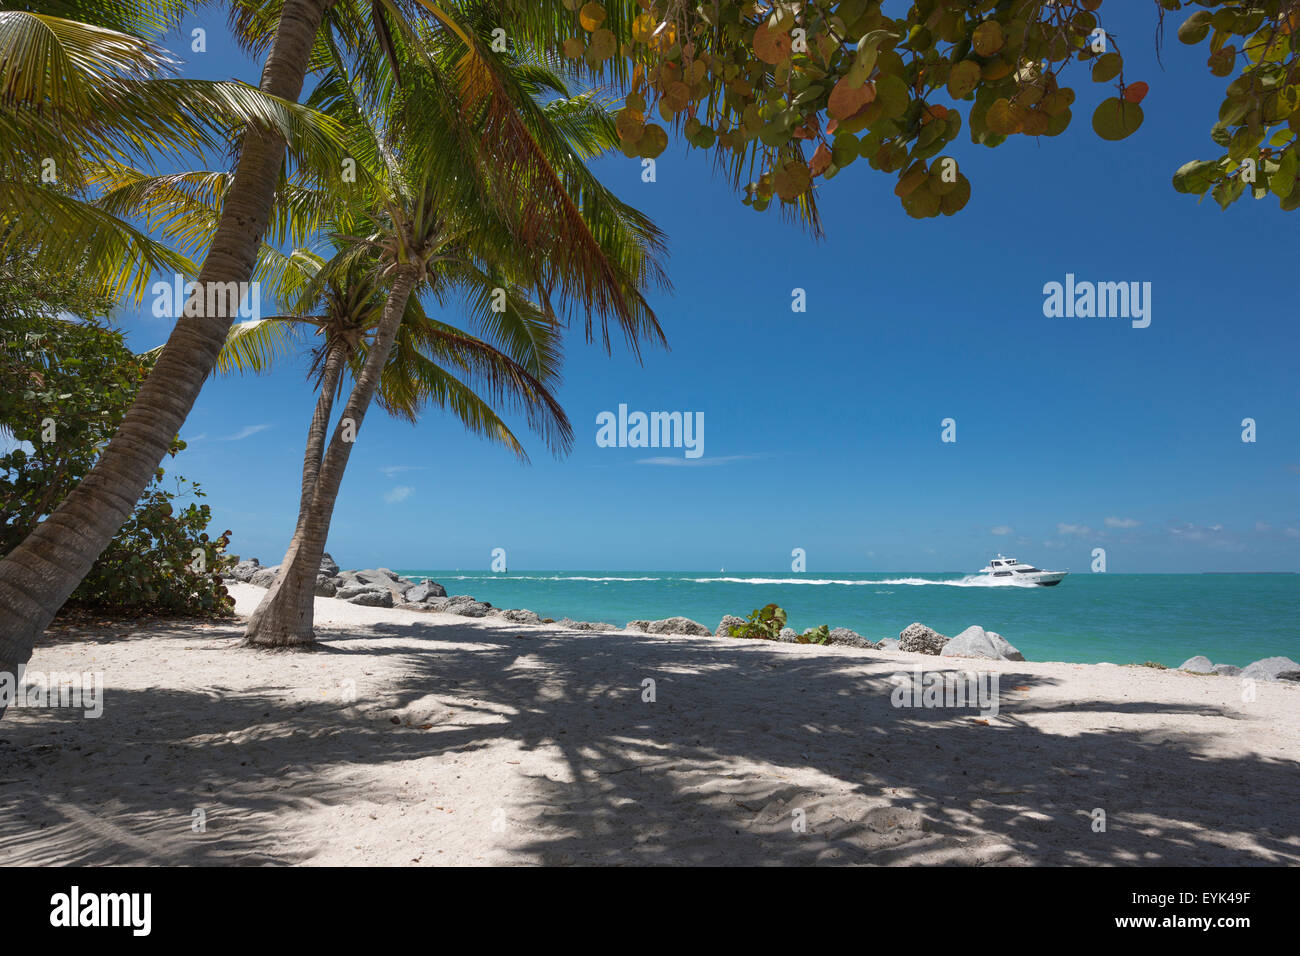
1010,571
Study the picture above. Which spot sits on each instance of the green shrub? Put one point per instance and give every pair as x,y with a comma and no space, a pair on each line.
764,623
64,388
816,635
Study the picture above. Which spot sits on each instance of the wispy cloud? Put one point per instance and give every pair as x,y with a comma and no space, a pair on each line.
1122,522
391,470
1194,532
400,493
1082,530
245,432
1214,536
695,462
1000,529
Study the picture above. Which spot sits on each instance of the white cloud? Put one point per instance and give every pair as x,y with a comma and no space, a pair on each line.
400,493
693,462
391,470
1082,530
1002,529
1194,532
245,432
1122,522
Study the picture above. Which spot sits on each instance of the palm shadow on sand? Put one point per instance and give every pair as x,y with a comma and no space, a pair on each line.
685,779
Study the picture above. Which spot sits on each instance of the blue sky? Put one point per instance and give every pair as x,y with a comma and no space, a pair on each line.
822,428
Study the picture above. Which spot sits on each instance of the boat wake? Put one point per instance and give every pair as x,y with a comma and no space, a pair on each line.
970,581
528,577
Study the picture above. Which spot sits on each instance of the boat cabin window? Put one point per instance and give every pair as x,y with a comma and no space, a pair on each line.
1029,570
1002,574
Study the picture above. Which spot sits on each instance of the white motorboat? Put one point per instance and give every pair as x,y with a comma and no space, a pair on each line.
1010,571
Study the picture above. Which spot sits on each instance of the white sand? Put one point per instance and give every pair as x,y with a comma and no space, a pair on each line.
532,745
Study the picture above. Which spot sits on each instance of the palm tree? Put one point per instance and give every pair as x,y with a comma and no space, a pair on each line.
429,206
38,575
87,84
436,215
431,361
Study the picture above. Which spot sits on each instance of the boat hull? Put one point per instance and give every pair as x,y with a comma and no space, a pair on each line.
1048,580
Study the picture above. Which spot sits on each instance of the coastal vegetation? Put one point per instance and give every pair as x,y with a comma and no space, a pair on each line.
65,384
763,623
767,622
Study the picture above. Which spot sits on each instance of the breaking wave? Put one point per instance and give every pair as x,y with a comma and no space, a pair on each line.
969,581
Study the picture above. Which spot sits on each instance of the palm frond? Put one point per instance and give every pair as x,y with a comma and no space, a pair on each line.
255,346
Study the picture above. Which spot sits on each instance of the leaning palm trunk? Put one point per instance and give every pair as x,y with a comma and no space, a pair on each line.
284,618
38,575
335,356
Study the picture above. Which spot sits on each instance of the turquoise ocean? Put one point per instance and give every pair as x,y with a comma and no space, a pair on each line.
1088,618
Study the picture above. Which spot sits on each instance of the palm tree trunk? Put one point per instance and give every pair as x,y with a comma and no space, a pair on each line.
38,575
285,616
335,355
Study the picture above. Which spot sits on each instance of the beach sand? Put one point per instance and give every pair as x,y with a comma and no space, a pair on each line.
415,738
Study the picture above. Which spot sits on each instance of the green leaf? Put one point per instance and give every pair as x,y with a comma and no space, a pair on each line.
1282,182
1107,67
1196,176
1116,119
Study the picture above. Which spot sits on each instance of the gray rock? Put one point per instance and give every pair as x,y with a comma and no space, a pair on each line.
325,586
1271,669
522,615
471,609
372,597
435,590
727,623
418,592
346,579
671,625
888,644
842,635
348,591
1200,664
380,576
1227,670
921,639
788,635
264,577
573,625
328,566
462,604
977,642
244,570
